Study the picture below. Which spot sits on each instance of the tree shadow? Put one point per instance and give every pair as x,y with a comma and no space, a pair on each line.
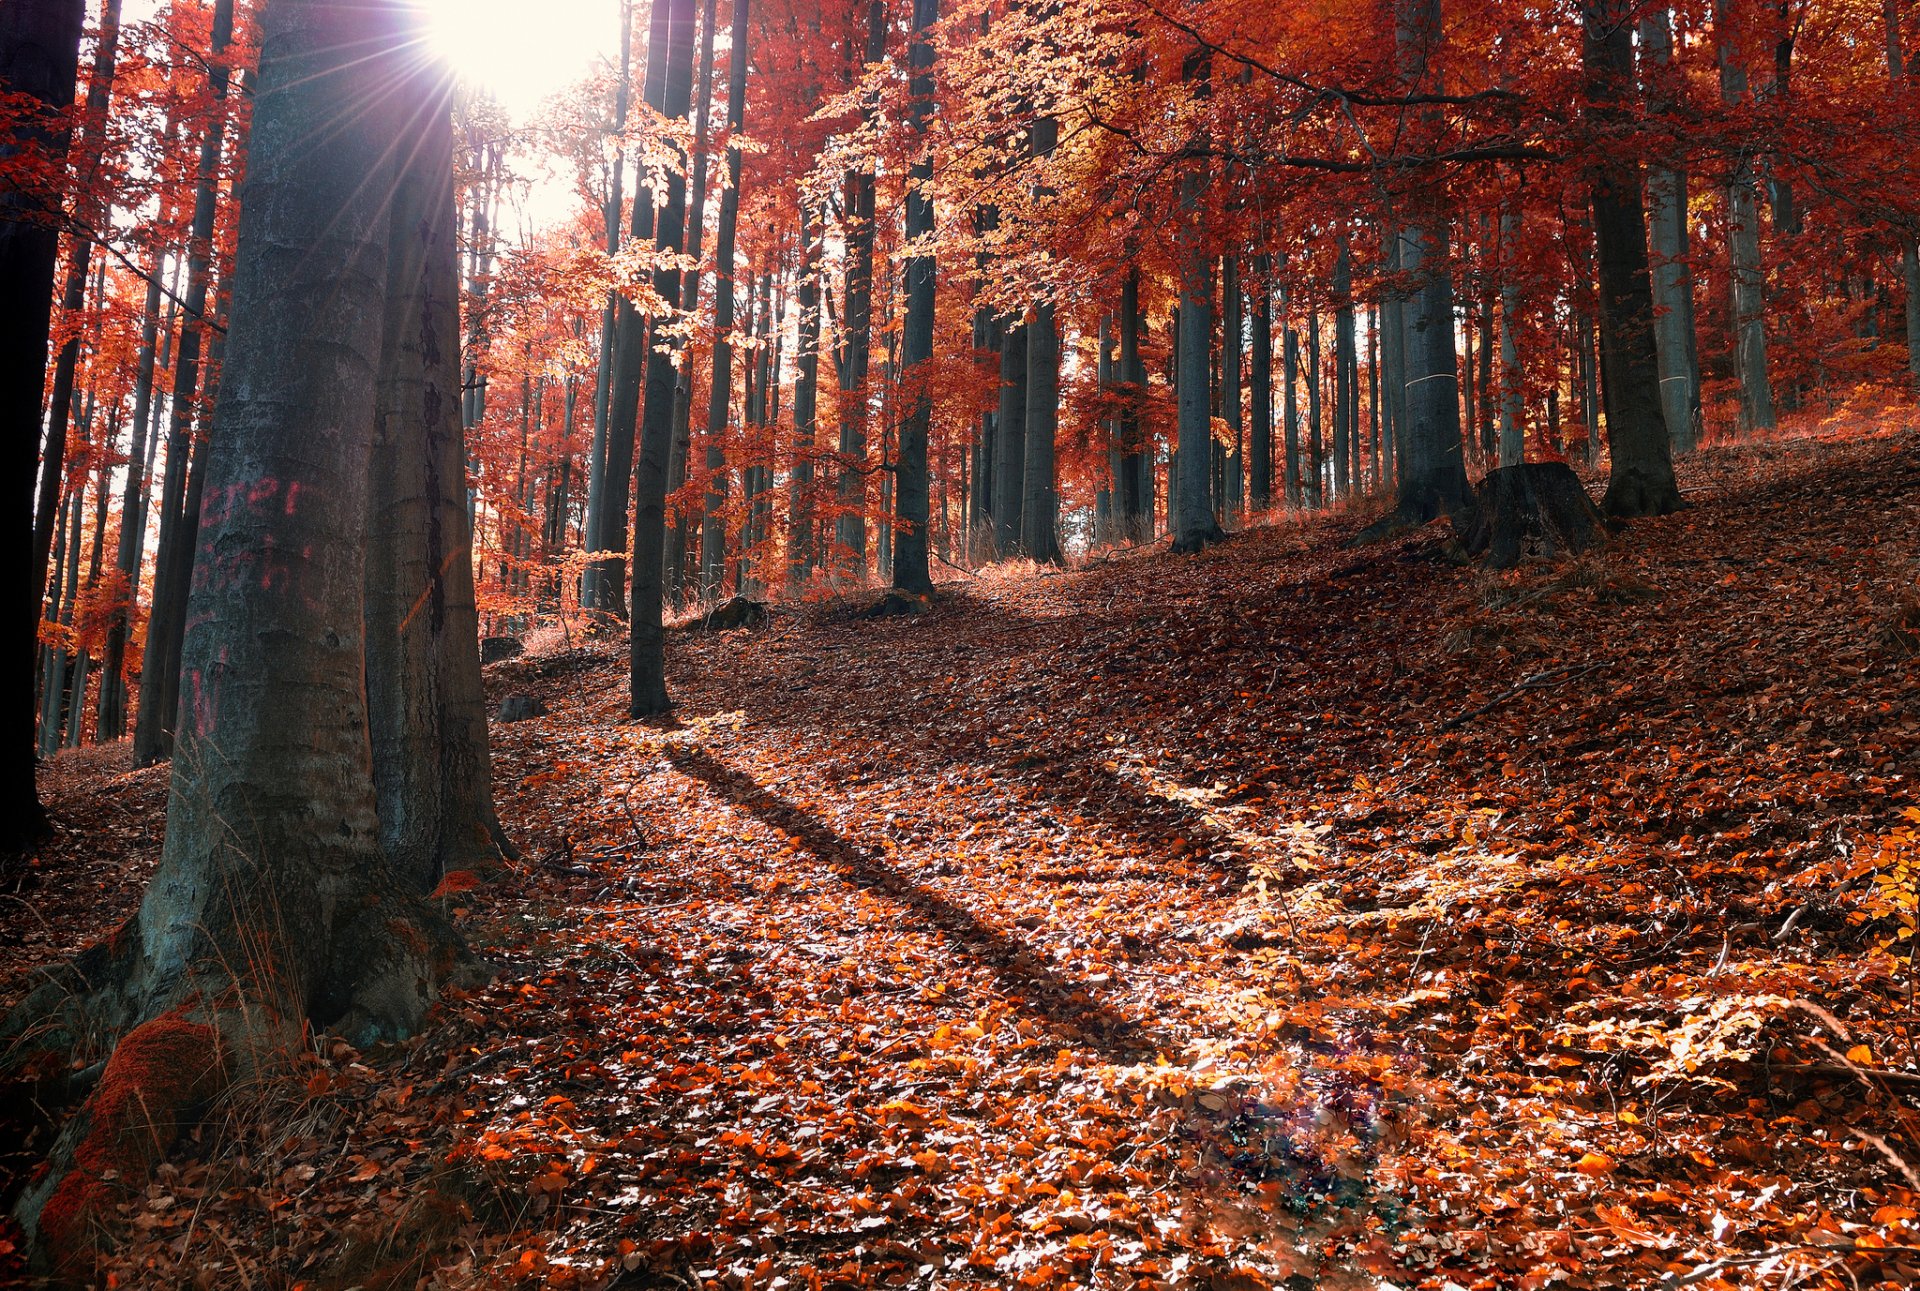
1066,1002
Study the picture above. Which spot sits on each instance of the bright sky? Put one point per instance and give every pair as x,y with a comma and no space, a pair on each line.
523,52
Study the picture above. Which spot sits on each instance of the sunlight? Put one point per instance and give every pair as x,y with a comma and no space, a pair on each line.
522,54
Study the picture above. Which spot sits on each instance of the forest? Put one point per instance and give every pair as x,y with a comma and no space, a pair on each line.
750,645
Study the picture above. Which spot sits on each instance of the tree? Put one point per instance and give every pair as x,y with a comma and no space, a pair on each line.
39,59
1640,480
911,574
1433,468
277,905
181,491
647,639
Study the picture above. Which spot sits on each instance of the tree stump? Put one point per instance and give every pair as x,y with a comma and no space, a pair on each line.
500,649
735,612
1536,510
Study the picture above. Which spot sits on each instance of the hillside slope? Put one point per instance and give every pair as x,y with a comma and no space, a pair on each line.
1288,911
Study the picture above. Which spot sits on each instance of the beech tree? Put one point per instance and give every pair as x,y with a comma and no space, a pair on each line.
40,60
291,886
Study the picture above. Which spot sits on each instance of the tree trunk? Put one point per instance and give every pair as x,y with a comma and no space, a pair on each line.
1135,485
593,590
1640,480
111,720
426,711
720,385
89,213
1747,276
1433,469
1010,450
1909,248
911,574
160,667
1344,365
274,906
1260,442
1232,337
1290,417
681,446
647,640
1674,332
850,530
1512,426
801,556
1194,523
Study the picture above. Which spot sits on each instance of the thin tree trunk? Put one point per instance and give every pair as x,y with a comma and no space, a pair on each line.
1010,449
592,589
1260,442
90,213
1747,276
911,573
179,511
677,459
647,640
1674,332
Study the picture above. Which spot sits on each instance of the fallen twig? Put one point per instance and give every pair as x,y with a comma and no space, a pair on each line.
1537,680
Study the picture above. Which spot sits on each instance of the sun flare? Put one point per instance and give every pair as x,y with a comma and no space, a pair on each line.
521,53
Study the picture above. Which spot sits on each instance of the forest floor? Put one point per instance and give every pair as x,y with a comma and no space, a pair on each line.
1291,915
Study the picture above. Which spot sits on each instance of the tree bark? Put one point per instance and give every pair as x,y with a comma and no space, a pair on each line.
1640,480
681,448
39,58
911,574
426,710
647,639
274,906
1747,276
1433,469
593,593
1260,441
1010,449
1675,334
160,668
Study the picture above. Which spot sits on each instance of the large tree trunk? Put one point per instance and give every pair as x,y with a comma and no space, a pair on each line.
647,640
1232,338
1909,249
1674,331
911,574
1345,365
850,530
274,907
180,491
39,58
1194,523
426,710
1512,428
1640,480
1433,468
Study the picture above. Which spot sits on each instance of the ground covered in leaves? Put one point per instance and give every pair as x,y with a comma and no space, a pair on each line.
1293,915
